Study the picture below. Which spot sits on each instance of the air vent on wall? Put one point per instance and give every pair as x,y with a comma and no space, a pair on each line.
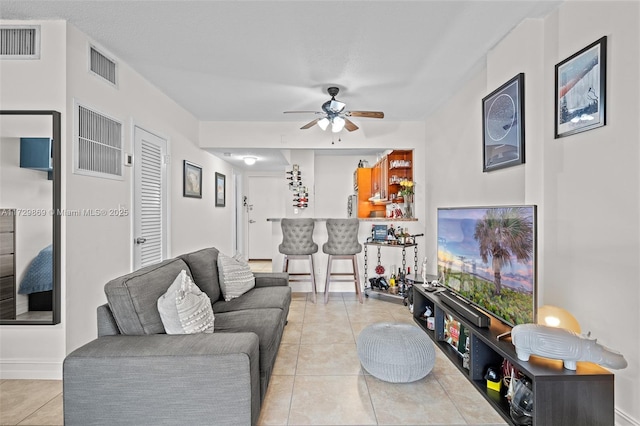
19,42
99,145
102,66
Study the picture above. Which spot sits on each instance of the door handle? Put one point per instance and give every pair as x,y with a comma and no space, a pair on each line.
141,240
252,221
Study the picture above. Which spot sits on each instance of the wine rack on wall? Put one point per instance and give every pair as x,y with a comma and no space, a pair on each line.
300,192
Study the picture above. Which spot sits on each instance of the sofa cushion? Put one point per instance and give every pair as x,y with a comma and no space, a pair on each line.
268,324
184,308
133,297
235,276
257,298
203,265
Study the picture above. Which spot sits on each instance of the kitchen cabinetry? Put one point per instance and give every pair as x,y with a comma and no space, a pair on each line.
379,178
379,185
399,168
387,174
362,180
560,397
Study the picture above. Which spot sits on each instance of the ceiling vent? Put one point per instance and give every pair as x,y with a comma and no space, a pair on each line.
19,42
99,145
102,66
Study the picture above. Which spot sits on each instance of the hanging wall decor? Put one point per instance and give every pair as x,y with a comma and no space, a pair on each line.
580,90
192,180
503,126
221,183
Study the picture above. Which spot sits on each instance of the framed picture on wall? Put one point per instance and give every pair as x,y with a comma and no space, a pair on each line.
192,180
503,126
580,90
220,189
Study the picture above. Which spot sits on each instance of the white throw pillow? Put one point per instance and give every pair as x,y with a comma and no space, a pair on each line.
235,276
184,308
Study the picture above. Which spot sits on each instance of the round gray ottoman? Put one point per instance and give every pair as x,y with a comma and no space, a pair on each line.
397,353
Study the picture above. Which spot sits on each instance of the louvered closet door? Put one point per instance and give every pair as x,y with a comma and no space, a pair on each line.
150,229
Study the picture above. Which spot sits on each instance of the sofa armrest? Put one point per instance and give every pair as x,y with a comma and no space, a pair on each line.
271,279
163,379
106,322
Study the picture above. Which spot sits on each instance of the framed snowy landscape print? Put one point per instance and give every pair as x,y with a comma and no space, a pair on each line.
580,90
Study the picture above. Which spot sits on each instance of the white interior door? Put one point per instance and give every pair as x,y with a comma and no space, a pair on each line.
150,199
265,201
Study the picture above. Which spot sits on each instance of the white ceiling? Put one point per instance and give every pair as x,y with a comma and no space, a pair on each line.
252,60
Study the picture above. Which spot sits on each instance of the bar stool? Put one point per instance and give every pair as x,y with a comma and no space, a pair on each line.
342,244
297,243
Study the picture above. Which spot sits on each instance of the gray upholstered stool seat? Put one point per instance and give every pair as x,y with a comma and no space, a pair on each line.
342,243
396,352
297,243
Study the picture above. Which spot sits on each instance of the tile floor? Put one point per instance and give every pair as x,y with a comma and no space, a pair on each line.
317,378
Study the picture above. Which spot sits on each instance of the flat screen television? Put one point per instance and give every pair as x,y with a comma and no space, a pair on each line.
487,255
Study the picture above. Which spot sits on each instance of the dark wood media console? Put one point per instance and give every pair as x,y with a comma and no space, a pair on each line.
562,397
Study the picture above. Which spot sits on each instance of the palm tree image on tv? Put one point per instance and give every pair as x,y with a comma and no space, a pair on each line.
487,256
504,234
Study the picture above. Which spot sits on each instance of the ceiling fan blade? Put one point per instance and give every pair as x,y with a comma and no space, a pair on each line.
303,112
366,114
349,125
309,124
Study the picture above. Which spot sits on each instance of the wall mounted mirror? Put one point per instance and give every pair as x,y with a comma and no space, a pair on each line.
30,212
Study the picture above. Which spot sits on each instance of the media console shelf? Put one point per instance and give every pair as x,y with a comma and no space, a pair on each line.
561,397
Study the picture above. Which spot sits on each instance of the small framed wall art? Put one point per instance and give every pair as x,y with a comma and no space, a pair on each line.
580,90
503,126
192,180
220,189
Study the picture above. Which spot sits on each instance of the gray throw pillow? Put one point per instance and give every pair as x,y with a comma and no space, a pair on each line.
184,308
235,276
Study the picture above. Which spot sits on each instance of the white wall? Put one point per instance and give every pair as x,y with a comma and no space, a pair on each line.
592,191
97,249
35,351
334,182
100,248
586,186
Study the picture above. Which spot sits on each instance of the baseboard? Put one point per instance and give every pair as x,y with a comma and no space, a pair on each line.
37,370
623,419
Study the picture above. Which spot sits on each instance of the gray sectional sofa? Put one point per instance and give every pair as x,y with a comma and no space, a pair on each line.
135,374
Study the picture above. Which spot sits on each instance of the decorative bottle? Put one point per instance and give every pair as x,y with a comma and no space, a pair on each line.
424,271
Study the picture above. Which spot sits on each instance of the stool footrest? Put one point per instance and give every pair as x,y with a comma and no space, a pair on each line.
311,276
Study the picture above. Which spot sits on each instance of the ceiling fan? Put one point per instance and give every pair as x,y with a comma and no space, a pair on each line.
333,112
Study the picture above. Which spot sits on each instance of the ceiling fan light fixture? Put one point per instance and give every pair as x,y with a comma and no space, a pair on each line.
334,112
336,106
323,123
250,161
338,124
